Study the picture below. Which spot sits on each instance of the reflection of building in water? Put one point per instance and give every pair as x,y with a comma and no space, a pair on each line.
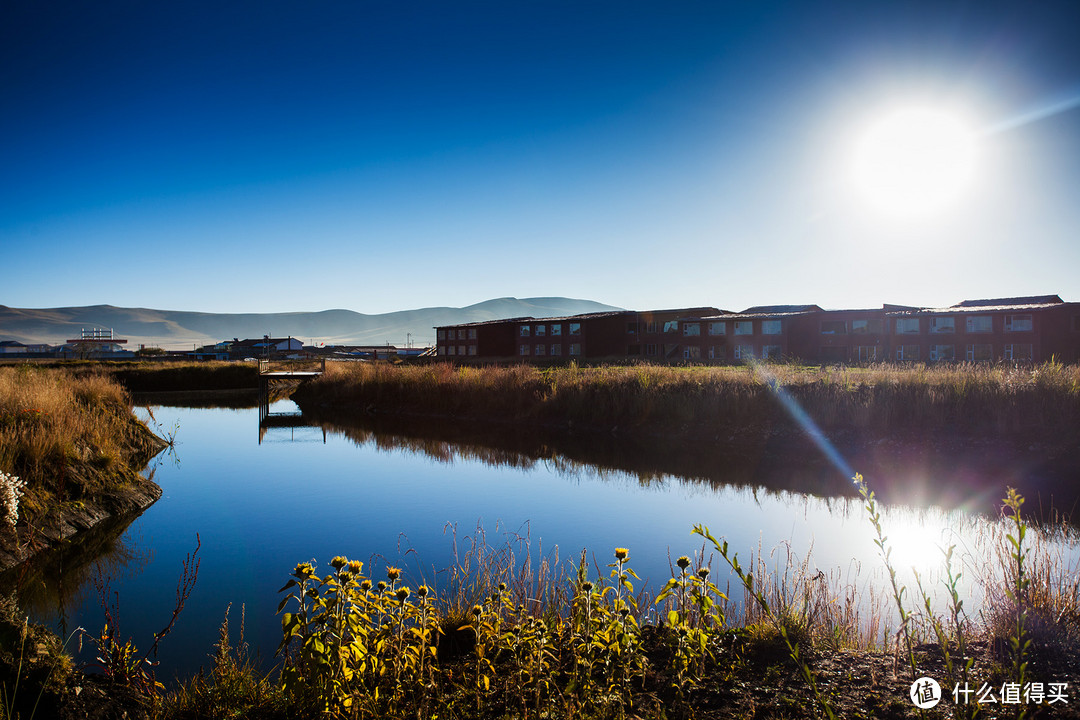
1020,329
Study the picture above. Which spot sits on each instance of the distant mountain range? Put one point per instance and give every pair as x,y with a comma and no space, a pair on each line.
172,329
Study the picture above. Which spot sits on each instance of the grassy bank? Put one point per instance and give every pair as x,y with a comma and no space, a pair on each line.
160,376
977,400
72,442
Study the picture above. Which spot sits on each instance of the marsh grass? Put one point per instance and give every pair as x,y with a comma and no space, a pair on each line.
1041,402
67,436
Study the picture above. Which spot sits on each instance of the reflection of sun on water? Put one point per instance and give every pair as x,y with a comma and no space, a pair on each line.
913,162
916,542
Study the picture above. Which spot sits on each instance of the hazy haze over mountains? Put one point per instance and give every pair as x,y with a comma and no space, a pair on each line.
177,330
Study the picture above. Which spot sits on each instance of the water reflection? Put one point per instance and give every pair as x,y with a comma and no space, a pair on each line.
57,581
971,478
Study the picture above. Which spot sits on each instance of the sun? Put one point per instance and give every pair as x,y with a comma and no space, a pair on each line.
913,162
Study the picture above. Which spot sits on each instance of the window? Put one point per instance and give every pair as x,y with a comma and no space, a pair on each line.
770,352
833,327
744,327
693,352
541,330
575,329
525,329
744,352
1018,351
716,352
450,350
870,326
650,349
942,353
556,329
539,350
691,329
907,353
575,348
472,349
671,326
979,324
907,326
939,325
770,327
556,349
980,353
1017,323
650,327
631,327
461,350
717,328
441,334
866,353
523,349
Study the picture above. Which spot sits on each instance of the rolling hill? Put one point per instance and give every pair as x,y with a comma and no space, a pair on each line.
173,329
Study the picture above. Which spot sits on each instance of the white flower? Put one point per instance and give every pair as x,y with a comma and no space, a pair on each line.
10,491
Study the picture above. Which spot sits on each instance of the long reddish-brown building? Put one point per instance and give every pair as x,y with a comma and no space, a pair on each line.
1032,329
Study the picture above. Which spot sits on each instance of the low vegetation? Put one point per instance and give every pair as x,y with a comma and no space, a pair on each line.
67,438
989,400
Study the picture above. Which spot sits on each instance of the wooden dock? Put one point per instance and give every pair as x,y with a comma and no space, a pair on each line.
271,371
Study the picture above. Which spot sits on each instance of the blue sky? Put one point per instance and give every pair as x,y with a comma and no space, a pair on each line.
378,156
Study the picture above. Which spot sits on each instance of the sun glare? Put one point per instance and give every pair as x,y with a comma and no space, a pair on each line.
913,162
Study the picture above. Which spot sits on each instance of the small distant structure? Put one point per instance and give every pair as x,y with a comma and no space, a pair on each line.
98,344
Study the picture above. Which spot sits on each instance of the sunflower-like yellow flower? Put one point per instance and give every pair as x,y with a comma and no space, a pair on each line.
621,553
355,566
393,573
683,562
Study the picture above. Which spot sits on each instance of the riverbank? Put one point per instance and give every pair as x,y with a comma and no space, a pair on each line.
77,451
983,427
1039,403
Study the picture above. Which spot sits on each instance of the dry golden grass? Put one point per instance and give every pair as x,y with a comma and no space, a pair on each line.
1039,402
65,435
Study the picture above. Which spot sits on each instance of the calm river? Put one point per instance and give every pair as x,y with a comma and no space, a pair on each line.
262,504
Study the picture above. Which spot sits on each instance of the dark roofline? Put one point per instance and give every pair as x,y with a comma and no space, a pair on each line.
478,323
778,309
1025,300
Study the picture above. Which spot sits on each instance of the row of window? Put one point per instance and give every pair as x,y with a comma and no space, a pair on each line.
975,352
462,334
461,350
541,350
739,327
542,330
978,352
903,326
972,324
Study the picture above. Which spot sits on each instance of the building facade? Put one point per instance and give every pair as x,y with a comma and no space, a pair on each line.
1022,329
